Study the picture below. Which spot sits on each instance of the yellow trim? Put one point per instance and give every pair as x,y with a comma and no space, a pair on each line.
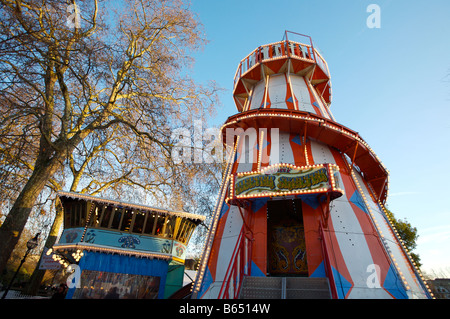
99,248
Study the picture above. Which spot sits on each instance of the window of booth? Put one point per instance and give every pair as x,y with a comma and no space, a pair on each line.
82,205
189,232
160,225
185,231
79,213
126,220
139,220
184,225
117,218
74,213
180,229
149,226
67,216
170,226
94,221
106,215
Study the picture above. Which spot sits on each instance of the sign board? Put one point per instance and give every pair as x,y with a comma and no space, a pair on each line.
285,179
47,262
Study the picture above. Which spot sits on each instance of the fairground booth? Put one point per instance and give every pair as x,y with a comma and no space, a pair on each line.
123,250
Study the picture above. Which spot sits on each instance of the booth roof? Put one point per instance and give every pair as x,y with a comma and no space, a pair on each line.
130,205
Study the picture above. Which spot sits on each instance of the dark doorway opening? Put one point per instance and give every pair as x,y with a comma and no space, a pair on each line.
286,248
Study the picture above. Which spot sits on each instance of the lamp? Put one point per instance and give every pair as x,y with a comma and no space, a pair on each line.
31,244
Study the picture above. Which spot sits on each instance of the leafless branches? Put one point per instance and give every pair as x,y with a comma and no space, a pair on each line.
91,104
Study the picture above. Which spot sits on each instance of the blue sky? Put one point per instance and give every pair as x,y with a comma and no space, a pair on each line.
391,84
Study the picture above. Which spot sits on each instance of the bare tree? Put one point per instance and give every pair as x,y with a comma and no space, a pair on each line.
93,82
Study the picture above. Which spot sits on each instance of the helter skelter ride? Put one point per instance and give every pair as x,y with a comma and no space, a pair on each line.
300,212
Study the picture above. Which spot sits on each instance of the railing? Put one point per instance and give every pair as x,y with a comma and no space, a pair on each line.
238,268
278,50
209,240
326,263
321,62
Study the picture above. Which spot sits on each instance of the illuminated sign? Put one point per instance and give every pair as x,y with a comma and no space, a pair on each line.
286,179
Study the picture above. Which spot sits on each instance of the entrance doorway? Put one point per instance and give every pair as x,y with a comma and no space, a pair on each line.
286,249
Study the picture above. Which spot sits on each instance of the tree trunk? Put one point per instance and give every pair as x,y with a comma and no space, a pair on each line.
38,274
15,221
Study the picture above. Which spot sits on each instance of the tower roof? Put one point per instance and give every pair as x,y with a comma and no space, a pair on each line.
286,56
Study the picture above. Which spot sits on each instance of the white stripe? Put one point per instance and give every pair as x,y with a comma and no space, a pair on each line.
285,152
232,229
301,92
277,91
391,242
257,95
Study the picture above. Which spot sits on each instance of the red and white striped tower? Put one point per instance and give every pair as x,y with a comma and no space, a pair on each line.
302,196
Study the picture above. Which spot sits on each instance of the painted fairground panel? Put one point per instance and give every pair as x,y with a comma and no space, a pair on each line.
108,285
124,240
286,247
